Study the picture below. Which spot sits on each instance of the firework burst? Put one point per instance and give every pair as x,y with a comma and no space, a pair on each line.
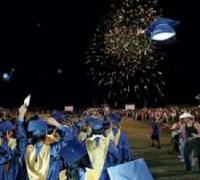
121,57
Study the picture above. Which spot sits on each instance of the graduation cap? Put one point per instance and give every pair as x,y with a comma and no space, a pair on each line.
59,116
6,77
6,126
114,118
88,120
38,127
80,123
97,126
162,29
73,152
135,170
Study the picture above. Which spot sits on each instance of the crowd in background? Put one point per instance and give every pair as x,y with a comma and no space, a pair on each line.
87,143
166,114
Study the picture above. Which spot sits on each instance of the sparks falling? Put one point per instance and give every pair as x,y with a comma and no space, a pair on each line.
121,57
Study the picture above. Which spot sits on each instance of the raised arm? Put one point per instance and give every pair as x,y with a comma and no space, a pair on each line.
21,133
64,131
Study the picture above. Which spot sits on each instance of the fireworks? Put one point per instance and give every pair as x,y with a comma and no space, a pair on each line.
121,57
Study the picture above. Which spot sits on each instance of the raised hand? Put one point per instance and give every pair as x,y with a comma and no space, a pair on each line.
22,111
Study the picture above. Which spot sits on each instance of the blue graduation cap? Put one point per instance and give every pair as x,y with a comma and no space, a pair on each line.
81,123
6,77
135,170
162,29
95,123
6,126
73,152
37,127
114,118
88,120
59,116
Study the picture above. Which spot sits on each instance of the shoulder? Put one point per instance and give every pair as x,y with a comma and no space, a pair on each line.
197,125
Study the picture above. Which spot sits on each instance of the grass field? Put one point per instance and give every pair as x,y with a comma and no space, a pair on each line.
163,164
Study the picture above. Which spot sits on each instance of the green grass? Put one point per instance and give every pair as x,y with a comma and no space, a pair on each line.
163,164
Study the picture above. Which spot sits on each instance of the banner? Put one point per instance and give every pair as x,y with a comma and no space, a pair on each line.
130,107
69,108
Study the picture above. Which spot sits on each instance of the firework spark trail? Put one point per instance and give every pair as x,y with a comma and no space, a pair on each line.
121,57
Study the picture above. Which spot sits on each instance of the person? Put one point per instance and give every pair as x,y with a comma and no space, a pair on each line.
182,137
65,121
155,134
75,159
85,129
82,135
176,136
119,138
9,163
192,129
41,150
102,153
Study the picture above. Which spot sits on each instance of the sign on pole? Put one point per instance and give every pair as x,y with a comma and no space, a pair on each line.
69,108
130,107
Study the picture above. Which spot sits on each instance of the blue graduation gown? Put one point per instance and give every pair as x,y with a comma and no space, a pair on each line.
123,147
111,160
9,163
56,163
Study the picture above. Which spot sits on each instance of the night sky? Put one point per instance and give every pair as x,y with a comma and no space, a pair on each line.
37,38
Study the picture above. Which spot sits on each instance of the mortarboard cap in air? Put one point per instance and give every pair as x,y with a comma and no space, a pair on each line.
162,29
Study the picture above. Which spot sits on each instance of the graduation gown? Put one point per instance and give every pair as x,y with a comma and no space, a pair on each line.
120,140
49,157
102,154
9,163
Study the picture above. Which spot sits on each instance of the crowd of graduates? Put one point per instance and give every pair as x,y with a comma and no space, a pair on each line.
88,146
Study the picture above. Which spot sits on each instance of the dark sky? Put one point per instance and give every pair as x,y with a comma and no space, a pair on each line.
38,37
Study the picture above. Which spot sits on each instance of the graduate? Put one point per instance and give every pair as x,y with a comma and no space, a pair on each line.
41,149
9,163
75,160
65,121
85,129
119,138
102,153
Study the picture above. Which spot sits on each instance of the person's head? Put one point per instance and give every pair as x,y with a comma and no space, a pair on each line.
7,129
114,120
58,116
189,121
97,127
37,130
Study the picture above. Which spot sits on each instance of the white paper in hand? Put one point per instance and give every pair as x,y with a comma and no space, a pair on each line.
27,100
